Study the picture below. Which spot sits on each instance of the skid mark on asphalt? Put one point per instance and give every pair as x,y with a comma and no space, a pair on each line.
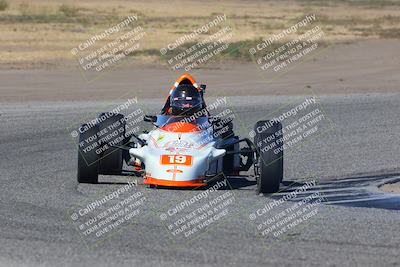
354,192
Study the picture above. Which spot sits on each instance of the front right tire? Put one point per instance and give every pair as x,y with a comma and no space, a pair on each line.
88,159
112,158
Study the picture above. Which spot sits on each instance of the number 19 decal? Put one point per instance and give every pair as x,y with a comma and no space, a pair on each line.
176,160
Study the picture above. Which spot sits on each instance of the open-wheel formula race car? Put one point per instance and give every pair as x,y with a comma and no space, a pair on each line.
186,148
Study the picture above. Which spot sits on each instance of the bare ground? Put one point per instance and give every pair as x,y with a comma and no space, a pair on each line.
360,67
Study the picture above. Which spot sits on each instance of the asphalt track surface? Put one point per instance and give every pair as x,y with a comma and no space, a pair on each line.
356,226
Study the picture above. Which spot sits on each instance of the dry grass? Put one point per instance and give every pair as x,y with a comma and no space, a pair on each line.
45,31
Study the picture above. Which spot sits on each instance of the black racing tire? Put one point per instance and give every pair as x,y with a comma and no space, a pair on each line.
113,126
88,159
270,161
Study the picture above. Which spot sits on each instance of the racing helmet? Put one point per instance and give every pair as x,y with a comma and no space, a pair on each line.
185,100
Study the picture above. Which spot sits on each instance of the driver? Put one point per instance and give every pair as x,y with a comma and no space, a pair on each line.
185,100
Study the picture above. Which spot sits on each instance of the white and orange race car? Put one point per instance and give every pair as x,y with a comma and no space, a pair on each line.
187,147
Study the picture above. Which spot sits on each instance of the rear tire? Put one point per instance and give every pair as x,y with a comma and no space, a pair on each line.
112,158
88,159
270,164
